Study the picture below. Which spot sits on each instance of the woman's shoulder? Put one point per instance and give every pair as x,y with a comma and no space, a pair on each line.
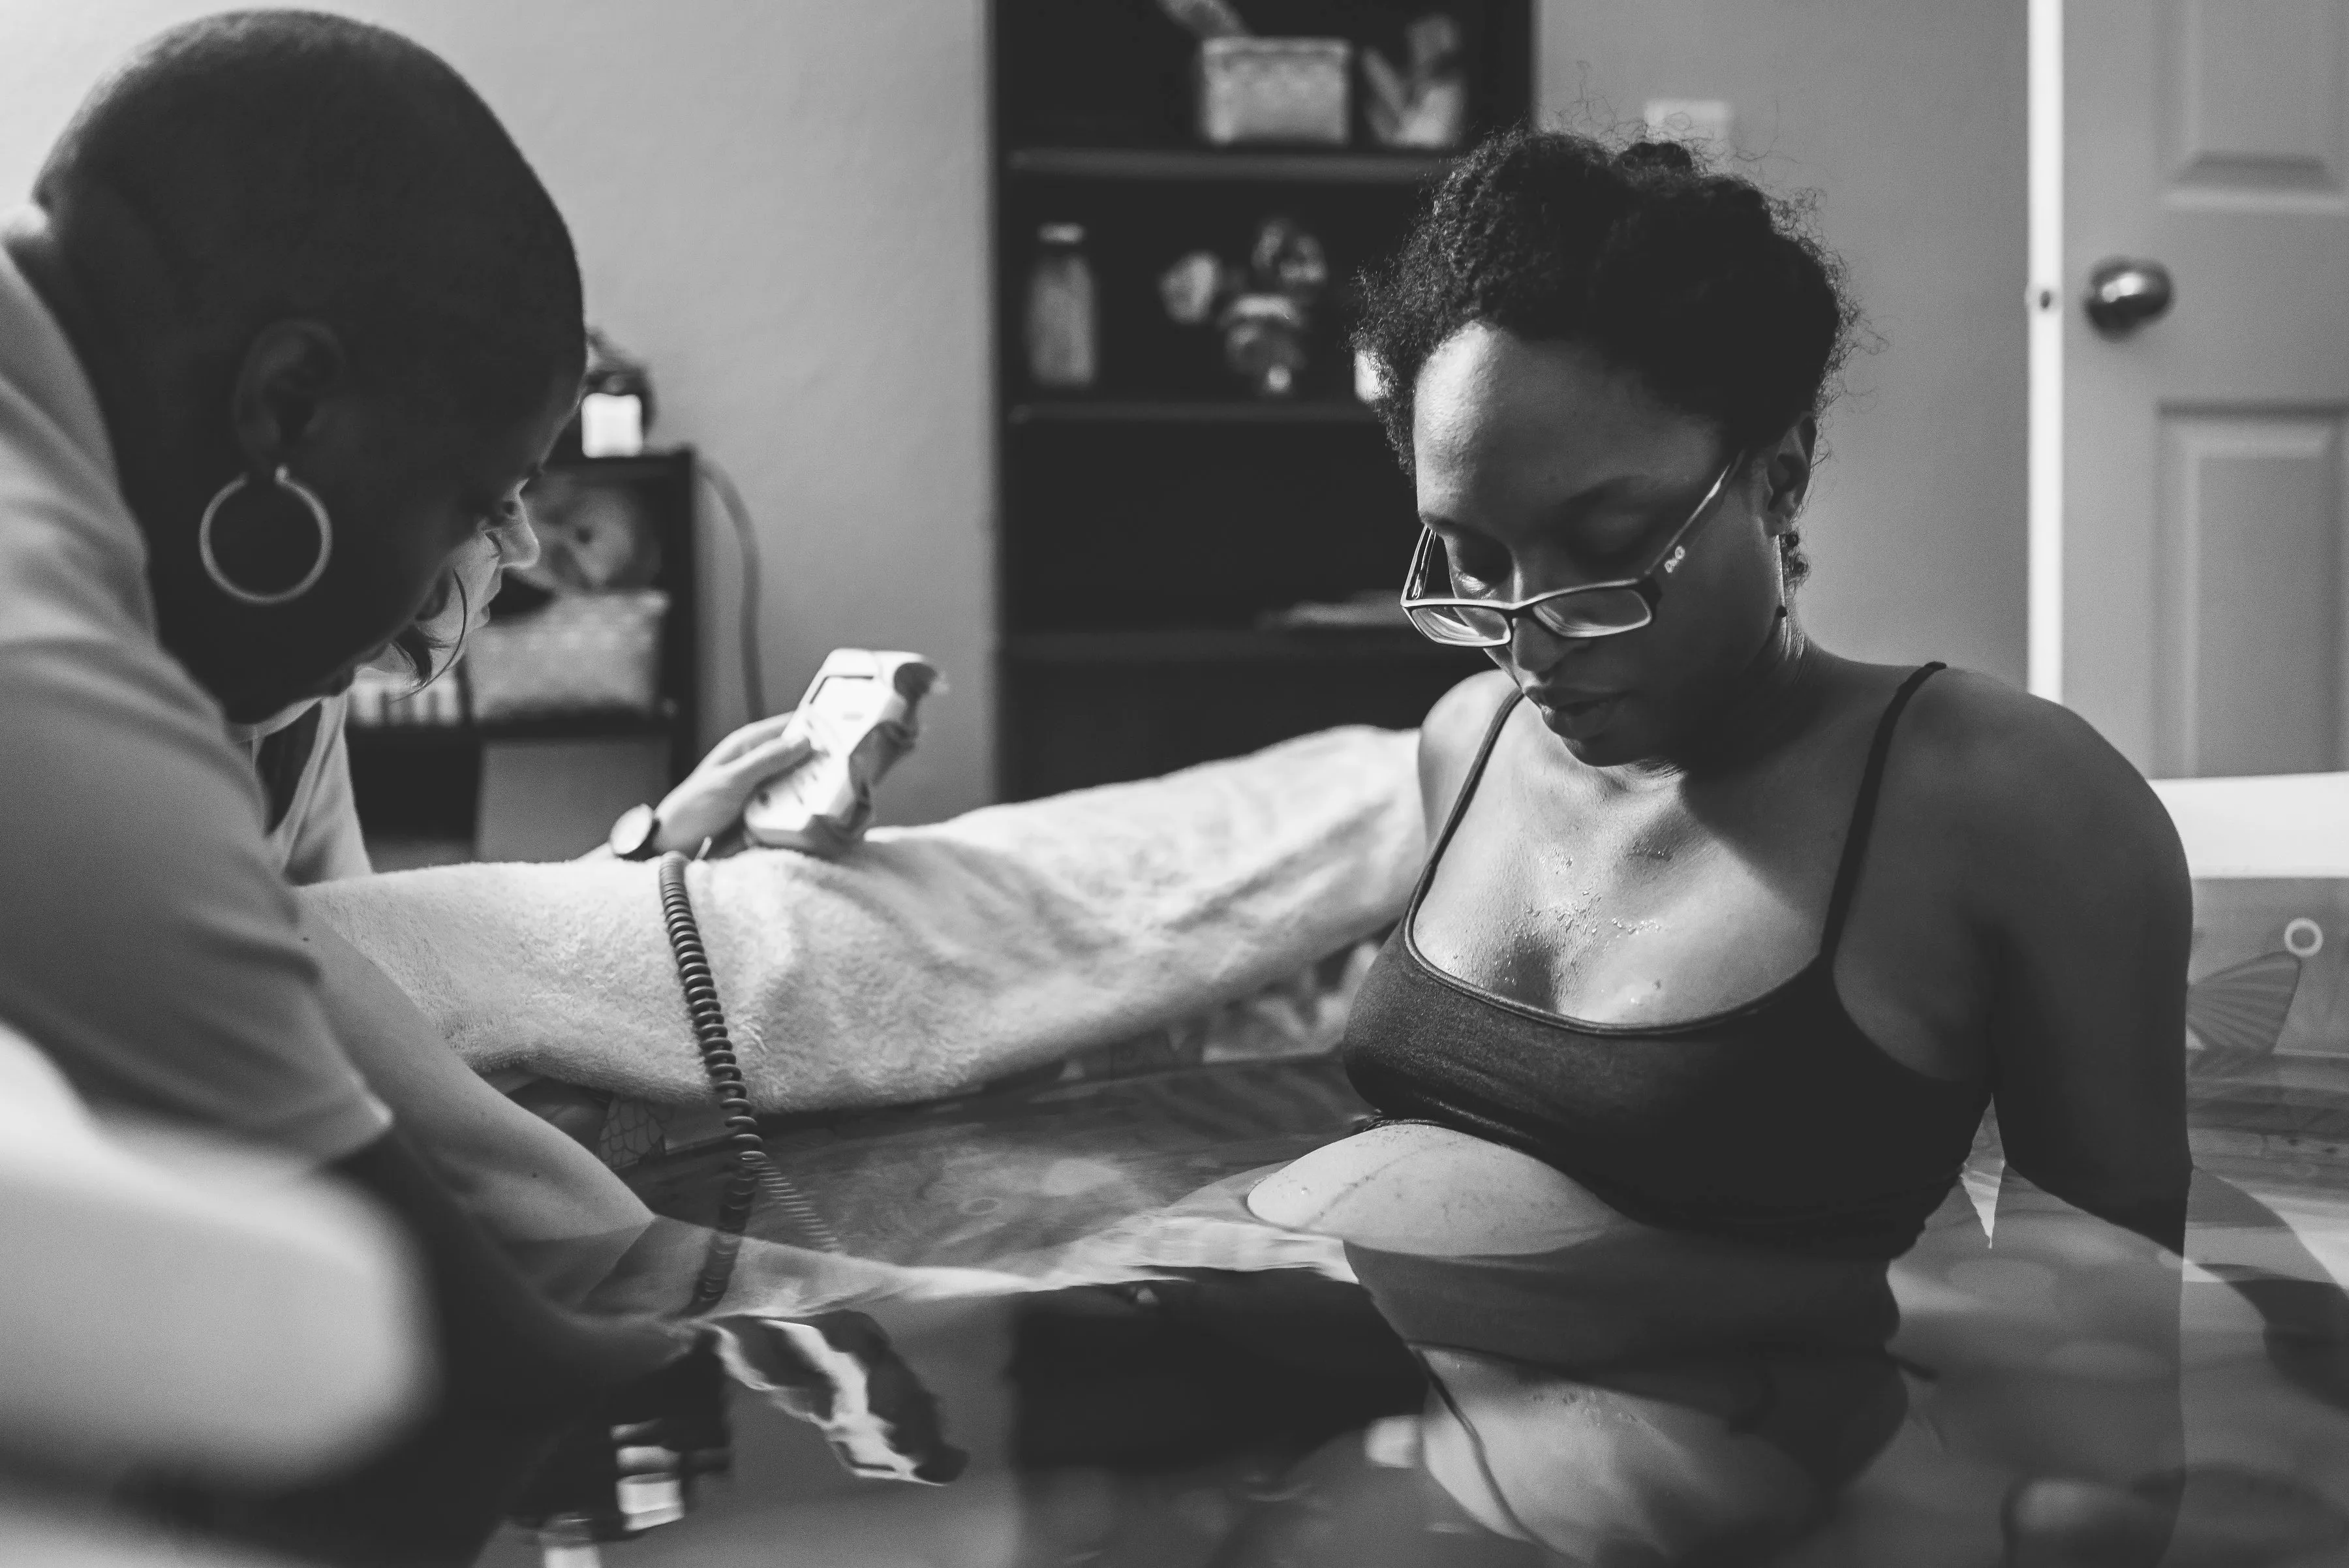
2025,782
1451,736
1993,742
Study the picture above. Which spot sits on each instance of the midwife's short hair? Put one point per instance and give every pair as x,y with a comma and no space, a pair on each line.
288,164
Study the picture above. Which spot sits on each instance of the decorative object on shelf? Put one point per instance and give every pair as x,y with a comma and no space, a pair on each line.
616,408
1119,166
580,653
1191,287
1237,419
1264,340
1276,89
592,537
1267,306
1255,89
1063,319
1205,19
1195,412
1288,259
462,788
578,630
1424,103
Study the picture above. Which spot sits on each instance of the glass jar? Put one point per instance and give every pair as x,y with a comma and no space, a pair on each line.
1063,317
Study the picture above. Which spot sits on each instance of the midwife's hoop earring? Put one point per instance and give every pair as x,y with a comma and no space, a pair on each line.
238,591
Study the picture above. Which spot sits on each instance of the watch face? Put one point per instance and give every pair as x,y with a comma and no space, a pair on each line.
633,834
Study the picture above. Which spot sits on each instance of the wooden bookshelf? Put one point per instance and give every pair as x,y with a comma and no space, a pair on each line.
1191,410
1208,165
1183,648
397,737
1145,527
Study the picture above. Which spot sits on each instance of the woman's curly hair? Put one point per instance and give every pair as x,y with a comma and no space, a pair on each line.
1701,284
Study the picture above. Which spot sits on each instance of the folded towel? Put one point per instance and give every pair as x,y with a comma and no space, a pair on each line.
929,960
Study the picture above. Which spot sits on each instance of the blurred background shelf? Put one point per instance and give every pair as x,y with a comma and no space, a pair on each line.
1240,646
549,787
1210,164
1144,523
568,727
1191,410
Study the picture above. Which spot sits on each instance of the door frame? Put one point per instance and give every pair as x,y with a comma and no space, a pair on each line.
2048,299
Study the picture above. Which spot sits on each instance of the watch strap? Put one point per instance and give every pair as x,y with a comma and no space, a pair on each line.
636,834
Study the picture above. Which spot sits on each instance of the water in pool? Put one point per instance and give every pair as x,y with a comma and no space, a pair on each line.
1196,1330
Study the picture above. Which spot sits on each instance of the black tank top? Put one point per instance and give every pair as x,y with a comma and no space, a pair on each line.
1777,1122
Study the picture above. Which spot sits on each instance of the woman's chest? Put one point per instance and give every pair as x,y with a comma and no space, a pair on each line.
1667,910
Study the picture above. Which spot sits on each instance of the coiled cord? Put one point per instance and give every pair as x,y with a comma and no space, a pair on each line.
752,1171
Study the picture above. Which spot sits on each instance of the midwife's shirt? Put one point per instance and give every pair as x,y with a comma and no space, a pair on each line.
149,941
304,761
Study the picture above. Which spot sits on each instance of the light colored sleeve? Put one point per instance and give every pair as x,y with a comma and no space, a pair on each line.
147,942
328,845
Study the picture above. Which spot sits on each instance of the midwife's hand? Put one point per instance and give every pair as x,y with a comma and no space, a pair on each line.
708,804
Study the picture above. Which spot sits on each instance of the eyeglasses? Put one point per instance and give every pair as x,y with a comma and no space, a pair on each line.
1593,609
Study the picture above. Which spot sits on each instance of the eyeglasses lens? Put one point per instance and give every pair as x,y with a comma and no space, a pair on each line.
1601,613
1460,626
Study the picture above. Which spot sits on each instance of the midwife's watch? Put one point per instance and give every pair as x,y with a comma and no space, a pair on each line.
637,835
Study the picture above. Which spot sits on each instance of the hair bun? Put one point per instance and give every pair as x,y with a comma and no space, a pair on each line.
1657,155
1694,282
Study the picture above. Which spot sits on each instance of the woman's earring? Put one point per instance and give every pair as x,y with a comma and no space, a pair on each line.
309,580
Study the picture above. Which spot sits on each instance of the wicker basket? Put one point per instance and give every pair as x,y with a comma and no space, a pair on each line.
1276,89
583,653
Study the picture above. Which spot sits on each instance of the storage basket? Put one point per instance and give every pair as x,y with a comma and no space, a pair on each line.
1276,89
583,653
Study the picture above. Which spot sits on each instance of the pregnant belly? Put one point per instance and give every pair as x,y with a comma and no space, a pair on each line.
1466,1243
1434,1193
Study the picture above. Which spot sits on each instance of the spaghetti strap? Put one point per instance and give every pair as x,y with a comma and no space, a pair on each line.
1460,800
1863,810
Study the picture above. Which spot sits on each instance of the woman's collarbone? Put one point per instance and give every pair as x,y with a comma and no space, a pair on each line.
1643,934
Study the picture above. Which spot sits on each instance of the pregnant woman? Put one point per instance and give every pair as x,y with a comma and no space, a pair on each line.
1725,941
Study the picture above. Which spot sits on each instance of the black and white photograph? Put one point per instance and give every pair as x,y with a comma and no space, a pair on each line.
1175,784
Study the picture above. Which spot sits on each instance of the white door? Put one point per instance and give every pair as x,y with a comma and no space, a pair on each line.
2205,600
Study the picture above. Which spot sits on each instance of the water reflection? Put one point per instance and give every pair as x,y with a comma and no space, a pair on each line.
1483,1378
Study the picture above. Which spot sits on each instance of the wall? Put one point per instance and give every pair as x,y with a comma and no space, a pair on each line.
781,203
783,207
1908,117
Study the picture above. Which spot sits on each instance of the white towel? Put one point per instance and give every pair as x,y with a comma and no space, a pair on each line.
928,960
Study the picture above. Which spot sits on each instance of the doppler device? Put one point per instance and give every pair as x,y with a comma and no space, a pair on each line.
824,806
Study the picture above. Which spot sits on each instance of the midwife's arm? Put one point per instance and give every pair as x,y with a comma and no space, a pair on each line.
520,1177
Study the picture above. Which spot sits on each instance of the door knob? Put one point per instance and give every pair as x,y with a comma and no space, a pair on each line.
2124,295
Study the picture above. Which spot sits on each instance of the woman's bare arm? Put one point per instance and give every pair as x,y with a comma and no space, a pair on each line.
2079,887
2084,898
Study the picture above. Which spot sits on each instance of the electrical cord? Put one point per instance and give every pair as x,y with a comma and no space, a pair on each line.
746,542
753,1172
